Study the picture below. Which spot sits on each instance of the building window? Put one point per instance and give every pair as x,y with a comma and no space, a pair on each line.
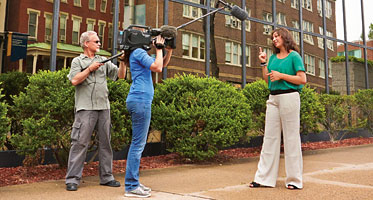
91,24
295,34
322,68
103,6
282,1
63,22
295,4
48,27
233,22
191,11
140,14
76,29
328,8
307,4
126,3
308,26
110,36
233,54
329,43
267,28
33,16
63,1
101,31
193,46
92,4
78,3
309,61
281,19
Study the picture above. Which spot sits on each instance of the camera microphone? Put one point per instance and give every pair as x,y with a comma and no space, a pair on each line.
240,13
168,31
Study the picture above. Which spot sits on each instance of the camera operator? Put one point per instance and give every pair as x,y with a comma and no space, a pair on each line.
139,101
92,108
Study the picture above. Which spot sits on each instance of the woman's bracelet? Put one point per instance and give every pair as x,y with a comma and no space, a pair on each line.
263,64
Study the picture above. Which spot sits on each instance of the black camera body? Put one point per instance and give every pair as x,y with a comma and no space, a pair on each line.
138,36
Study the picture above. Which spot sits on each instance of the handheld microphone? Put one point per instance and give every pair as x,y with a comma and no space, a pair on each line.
239,13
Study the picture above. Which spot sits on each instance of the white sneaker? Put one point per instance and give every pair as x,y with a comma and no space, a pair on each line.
138,192
146,189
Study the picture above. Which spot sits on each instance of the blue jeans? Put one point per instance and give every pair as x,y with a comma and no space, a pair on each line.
140,114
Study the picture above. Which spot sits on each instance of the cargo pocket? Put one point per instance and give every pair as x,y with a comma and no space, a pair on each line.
76,131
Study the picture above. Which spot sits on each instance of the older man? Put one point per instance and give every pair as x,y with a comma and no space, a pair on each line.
92,109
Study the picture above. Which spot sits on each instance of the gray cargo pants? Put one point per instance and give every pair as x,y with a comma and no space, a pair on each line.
84,124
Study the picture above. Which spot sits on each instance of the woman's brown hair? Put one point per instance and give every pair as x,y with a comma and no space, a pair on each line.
287,37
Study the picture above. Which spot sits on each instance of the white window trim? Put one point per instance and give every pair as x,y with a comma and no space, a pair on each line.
267,27
110,25
294,4
103,33
94,8
48,37
67,17
103,11
190,16
190,46
304,4
29,11
308,57
80,19
233,22
78,5
248,53
88,20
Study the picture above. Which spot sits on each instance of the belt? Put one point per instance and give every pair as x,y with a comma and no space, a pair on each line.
276,92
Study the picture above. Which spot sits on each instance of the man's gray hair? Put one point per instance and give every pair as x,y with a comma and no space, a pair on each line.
85,37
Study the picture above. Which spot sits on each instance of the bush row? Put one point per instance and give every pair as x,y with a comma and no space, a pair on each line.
196,116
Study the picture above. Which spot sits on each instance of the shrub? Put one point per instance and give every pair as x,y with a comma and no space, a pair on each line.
257,95
120,118
199,116
45,112
364,100
337,108
312,112
4,121
13,83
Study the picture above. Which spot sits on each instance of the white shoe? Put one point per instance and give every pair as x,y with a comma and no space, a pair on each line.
146,189
138,192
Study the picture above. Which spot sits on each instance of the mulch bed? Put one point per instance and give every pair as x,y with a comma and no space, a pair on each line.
22,175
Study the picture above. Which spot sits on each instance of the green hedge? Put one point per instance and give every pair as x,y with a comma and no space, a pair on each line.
364,99
45,113
199,116
13,83
4,120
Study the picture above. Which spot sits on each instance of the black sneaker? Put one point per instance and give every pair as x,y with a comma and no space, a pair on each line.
112,183
71,187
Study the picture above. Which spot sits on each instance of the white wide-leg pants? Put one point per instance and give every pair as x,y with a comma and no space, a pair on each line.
283,113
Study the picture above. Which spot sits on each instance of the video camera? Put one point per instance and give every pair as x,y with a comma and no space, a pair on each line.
138,36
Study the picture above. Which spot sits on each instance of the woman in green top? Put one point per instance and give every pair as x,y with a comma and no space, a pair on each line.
285,77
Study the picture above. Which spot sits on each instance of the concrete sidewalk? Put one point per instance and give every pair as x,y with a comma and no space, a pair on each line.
341,173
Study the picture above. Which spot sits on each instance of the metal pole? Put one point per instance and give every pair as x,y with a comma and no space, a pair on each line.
326,63
274,14
115,29
346,49
208,39
243,47
56,11
365,47
165,22
301,40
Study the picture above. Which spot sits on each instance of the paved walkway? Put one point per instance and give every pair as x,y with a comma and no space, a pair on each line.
341,173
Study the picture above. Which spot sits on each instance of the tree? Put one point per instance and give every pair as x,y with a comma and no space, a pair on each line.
370,33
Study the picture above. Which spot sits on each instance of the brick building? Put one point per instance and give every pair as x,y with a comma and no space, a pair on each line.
356,51
189,56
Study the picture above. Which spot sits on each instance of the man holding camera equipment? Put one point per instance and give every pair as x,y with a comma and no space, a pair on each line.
139,101
88,74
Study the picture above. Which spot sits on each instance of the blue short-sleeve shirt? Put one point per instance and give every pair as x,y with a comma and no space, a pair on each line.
142,89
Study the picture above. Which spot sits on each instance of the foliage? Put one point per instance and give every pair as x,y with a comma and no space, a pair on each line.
45,112
4,120
13,83
120,118
312,113
257,94
364,99
337,108
199,116
351,59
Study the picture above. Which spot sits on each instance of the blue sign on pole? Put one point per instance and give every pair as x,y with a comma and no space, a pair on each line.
17,46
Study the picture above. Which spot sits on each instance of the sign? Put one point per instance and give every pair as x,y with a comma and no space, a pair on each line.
17,46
